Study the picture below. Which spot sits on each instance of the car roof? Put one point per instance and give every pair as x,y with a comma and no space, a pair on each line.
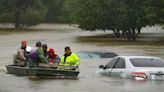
97,51
129,57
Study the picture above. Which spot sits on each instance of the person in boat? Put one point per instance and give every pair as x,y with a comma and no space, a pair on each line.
70,59
44,46
52,57
37,56
21,55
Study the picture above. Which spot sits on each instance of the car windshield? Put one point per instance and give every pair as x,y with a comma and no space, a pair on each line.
147,62
84,55
95,54
87,55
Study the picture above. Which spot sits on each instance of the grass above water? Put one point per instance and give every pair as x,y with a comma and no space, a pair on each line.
110,39
7,31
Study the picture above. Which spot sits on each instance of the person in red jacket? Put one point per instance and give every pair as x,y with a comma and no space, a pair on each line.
52,57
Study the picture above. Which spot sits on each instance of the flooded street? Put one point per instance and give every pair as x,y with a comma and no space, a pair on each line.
59,36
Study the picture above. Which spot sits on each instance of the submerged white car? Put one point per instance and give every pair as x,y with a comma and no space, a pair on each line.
136,67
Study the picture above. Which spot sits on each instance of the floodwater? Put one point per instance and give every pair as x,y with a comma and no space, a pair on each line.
59,36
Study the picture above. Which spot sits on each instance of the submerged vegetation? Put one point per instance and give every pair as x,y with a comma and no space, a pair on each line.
109,40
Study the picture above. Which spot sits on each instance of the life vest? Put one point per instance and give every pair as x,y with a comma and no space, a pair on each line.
70,60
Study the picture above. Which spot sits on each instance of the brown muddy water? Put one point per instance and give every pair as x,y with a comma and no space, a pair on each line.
58,36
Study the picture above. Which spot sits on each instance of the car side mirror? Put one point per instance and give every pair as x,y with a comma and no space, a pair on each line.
102,67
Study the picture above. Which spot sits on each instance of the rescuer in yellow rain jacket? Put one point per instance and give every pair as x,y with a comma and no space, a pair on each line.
69,59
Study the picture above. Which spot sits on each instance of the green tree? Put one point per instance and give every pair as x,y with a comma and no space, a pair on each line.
53,9
21,11
155,11
57,11
121,16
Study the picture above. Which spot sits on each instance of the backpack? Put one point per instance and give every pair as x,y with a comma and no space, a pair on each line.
33,55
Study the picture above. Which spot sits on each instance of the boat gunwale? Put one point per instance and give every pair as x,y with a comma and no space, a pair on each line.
20,67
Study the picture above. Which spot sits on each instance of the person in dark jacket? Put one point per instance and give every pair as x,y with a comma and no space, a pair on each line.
44,46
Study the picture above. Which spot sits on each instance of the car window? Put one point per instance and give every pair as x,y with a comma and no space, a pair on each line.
83,55
120,63
147,62
93,55
111,63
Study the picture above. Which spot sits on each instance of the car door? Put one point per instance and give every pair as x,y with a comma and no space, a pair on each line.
109,66
119,68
